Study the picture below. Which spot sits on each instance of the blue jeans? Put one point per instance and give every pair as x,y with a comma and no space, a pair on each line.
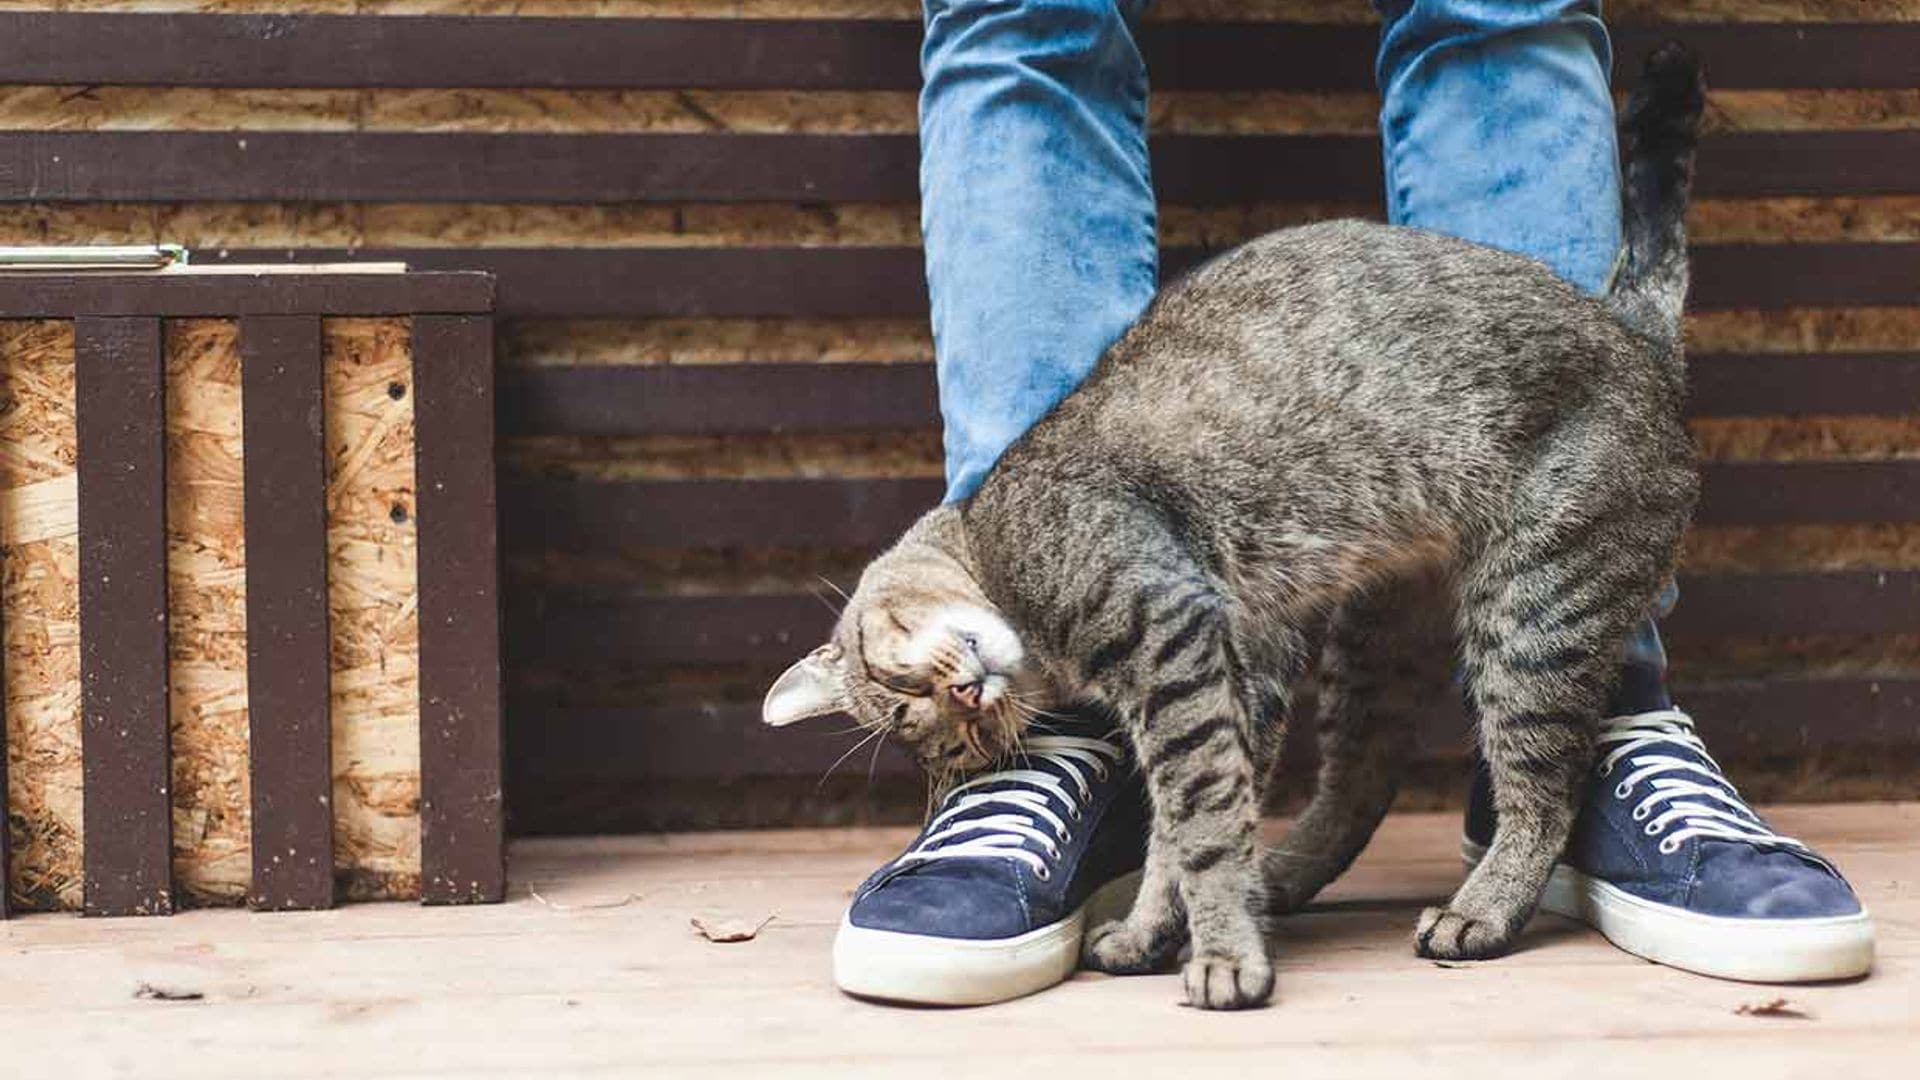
1038,210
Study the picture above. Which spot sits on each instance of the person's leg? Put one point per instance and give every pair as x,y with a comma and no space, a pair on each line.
1498,127
1039,223
1037,208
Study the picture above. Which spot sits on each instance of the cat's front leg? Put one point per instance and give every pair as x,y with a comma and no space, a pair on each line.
1195,735
1206,833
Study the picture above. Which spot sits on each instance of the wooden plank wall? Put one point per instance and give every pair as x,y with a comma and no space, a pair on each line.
715,382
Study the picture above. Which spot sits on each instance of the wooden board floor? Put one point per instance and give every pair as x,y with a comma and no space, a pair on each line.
592,969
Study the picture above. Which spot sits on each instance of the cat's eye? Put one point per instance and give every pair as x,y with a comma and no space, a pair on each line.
971,641
905,689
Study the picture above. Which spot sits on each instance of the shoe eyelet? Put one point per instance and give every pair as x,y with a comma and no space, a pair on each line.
1640,813
1053,851
1668,847
1075,813
1656,828
1606,769
1066,837
1622,790
1043,873
1100,772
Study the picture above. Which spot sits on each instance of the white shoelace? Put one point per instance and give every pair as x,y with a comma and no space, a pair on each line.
1028,814
1713,810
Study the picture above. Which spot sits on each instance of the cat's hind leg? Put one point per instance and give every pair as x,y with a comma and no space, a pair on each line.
1386,652
1544,612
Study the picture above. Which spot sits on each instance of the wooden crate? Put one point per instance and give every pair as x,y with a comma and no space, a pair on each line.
250,604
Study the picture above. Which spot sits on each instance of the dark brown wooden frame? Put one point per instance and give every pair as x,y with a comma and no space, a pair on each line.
178,49
119,405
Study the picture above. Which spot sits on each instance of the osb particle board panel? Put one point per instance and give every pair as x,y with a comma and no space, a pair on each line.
39,531
372,546
372,606
207,611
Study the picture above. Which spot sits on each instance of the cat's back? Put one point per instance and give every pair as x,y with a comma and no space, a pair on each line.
1352,291
1331,369
1406,332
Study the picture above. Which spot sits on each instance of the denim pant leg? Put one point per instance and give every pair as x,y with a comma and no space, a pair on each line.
1498,127
1037,208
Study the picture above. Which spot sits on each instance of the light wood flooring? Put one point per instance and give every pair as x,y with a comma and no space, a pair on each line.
594,969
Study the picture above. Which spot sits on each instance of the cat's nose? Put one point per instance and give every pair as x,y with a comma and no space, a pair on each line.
967,694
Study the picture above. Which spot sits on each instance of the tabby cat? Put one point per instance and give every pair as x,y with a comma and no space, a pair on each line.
1395,448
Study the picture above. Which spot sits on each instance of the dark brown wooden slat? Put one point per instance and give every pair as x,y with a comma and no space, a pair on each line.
120,410
721,742
565,515
1784,56
1786,714
578,628
462,818
1828,492
642,283
612,629
1762,605
289,670
174,49
148,166
450,167
555,743
468,51
1837,384
1753,164
543,514
1805,275
889,281
229,294
718,399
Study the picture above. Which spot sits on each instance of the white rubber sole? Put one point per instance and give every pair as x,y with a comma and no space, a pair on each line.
919,970
1749,950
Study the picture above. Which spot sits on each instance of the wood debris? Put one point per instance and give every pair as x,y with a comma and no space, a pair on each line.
1778,1008
153,992
726,931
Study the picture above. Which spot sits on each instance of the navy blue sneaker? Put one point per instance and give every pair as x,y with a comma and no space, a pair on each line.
992,898
1672,865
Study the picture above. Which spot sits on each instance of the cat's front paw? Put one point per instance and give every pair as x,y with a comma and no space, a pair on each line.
1445,934
1228,982
1121,948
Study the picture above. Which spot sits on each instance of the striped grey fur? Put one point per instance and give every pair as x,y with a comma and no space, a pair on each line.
1357,440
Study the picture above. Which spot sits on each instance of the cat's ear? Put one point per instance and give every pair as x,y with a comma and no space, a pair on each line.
810,688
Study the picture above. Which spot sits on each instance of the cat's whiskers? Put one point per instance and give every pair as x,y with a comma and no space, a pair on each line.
970,734
828,582
852,750
1032,714
875,761
1031,709
824,602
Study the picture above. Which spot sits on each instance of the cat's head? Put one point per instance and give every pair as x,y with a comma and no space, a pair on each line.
920,653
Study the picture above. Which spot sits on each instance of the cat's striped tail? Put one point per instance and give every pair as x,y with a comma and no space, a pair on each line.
1658,131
